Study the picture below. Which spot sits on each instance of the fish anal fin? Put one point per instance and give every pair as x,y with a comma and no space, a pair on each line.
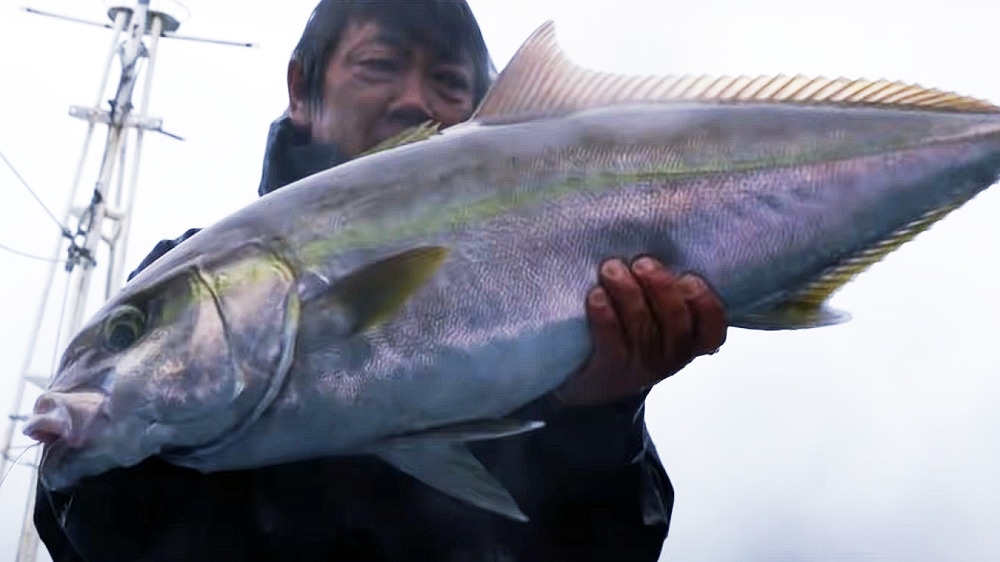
806,307
451,468
791,316
835,277
540,80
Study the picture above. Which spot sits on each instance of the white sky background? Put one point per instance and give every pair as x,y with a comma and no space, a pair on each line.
874,440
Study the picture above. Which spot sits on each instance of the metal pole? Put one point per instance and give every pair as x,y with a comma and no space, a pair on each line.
120,20
120,247
120,114
92,221
28,545
94,216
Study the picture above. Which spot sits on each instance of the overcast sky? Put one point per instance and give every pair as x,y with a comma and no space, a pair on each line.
874,440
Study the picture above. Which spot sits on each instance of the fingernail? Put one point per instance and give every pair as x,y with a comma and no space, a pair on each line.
613,269
598,298
692,285
643,265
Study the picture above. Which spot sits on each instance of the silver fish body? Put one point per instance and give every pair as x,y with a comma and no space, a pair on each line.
267,337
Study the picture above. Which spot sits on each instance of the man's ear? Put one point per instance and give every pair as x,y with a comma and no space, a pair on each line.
298,98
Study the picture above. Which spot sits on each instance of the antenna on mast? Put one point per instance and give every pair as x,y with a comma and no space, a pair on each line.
107,216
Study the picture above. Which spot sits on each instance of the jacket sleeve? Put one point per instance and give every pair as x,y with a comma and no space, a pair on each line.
589,480
161,248
607,446
606,435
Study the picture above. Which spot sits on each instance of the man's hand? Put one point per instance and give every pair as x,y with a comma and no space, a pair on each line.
647,324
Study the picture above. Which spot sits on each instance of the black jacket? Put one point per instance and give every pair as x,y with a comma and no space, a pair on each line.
590,481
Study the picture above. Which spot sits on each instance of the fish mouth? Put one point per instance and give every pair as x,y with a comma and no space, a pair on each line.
52,422
52,426
65,418
68,460
48,428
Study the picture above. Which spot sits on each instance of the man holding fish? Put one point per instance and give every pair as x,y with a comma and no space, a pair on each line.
589,483
422,303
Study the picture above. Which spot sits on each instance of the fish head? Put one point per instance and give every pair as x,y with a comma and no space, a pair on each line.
170,369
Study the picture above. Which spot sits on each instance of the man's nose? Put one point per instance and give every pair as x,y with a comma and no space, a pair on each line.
414,95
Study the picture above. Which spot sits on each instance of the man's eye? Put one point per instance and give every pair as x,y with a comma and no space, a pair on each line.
453,81
380,65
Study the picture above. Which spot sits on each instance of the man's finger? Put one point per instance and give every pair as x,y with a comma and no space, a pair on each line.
710,326
636,320
609,341
666,299
592,384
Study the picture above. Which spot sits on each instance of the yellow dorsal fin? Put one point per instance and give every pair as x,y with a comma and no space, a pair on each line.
541,80
421,132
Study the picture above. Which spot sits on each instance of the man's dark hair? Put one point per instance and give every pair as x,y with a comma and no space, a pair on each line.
447,27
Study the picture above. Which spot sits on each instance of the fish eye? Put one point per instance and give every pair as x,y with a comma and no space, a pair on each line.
125,325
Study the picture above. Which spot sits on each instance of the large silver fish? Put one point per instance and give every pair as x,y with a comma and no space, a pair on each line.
408,301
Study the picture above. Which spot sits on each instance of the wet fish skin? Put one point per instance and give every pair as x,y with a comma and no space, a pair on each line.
407,301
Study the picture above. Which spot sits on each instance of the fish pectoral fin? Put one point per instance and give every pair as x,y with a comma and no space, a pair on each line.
375,292
792,315
451,468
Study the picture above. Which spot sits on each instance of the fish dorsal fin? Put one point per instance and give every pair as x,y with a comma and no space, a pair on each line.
541,81
421,132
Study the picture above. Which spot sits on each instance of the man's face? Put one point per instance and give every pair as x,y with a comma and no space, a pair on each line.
376,85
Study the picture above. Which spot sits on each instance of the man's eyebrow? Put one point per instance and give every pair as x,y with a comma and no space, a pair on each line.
393,39
404,44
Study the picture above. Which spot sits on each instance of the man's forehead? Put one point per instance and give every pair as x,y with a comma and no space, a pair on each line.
408,41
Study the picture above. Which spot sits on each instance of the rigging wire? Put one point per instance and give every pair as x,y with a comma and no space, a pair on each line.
16,463
16,252
63,229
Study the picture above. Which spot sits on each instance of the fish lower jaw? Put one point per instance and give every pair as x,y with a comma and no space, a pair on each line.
64,466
